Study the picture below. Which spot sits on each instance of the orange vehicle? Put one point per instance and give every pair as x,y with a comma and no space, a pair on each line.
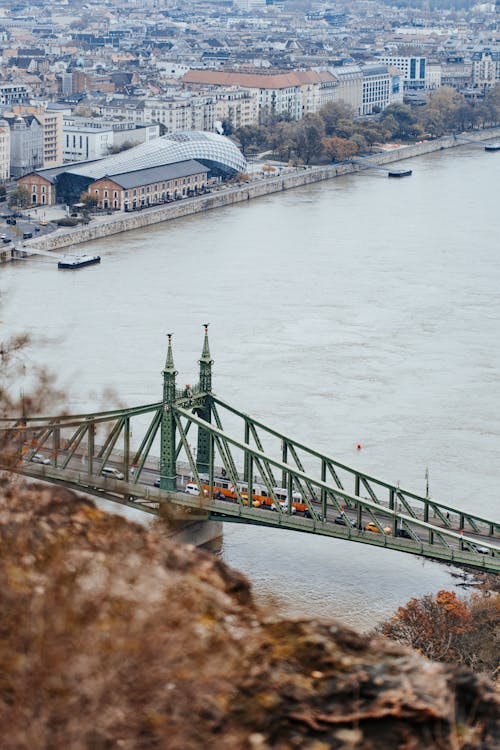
260,494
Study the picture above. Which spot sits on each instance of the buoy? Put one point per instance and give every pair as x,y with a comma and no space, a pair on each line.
358,446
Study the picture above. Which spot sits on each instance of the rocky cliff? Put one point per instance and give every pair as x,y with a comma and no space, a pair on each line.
111,637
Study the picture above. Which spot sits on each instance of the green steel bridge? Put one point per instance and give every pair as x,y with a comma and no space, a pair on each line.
94,453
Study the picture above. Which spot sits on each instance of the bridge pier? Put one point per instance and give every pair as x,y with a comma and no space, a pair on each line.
198,533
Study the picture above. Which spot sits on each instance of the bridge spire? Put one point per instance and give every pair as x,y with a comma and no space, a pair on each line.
169,364
168,469
203,452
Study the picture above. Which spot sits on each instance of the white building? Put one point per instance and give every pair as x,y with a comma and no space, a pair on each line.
349,87
87,138
376,89
4,150
412,68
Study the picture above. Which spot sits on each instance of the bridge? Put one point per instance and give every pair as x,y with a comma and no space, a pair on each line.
391,172
192,456
487,146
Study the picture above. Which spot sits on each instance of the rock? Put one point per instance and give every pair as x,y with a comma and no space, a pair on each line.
112,637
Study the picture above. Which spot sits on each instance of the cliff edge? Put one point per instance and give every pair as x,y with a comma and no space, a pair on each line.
112,637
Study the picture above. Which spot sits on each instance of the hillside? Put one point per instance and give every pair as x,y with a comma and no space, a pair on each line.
112,637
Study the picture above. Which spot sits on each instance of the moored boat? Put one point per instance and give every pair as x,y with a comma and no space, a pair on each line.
78,261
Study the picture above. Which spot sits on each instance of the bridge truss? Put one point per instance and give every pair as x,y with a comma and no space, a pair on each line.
95,453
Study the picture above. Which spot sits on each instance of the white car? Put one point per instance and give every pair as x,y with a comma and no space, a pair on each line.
284,507
110,471
192,489
39,459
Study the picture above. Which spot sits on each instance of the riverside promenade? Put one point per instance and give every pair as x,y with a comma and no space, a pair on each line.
104,226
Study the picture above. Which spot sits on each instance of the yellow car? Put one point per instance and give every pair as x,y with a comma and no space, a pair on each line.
43,223
370,526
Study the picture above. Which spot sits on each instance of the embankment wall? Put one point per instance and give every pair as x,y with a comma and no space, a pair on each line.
63,238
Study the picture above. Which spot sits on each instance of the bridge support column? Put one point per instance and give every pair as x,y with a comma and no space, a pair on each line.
126,448
168,470
56,444
90,448
323,491
284,458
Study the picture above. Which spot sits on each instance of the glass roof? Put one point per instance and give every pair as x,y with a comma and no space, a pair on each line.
168,149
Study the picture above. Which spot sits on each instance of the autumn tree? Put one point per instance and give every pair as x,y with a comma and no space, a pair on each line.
89,200
449,629
339,149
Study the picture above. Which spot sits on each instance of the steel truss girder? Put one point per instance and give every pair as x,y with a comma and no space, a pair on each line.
368,506
441,509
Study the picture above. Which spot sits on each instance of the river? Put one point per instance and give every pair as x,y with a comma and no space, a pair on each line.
363,310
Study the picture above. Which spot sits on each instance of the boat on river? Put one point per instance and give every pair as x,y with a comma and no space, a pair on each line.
78,261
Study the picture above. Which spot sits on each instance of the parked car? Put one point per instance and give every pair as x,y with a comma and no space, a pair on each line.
156,483
39,459
110,471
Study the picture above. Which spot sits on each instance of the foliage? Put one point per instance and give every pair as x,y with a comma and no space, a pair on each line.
446,628
89,200
122,147
308,135
67,221
20,196
339,149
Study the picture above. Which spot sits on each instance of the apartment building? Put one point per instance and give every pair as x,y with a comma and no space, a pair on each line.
376,89
52,125
87,138
4,150
412,68
485,70
295,93
26,143
12,93
349,87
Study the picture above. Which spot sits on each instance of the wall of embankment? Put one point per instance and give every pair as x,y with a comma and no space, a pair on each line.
236,194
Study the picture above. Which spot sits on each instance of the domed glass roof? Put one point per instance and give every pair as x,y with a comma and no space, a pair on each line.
214,150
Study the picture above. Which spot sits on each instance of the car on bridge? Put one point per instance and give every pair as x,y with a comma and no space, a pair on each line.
344,521
39,459
110,471
370,526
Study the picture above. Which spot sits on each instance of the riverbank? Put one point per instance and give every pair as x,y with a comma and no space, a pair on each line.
298,177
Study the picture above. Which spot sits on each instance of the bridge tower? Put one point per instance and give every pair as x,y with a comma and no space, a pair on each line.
168,469
205,412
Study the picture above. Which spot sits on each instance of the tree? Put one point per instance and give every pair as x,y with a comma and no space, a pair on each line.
123,147
406,119
89,200
339,149
19,197
449,629
251,136
308,135
333,114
